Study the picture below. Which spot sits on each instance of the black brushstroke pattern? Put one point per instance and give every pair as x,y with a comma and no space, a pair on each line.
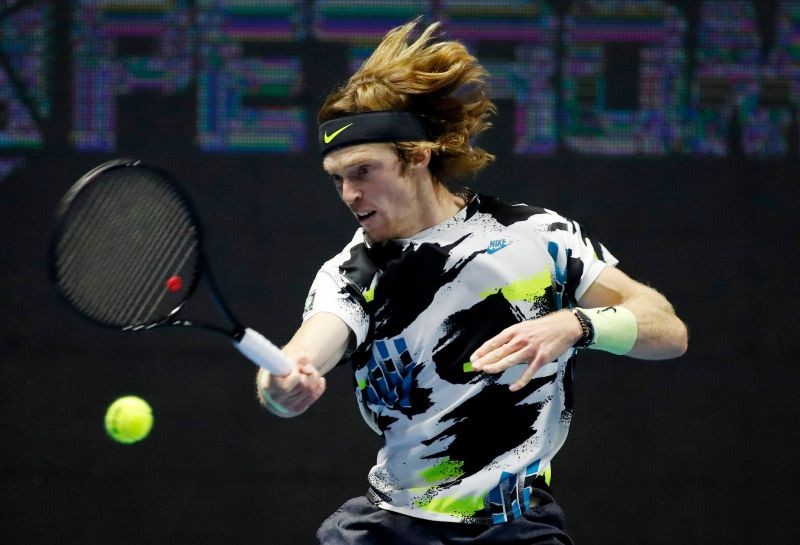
574,275
489,424
420,398
410,279
506,214
360,269
569,393
473,206
598,249
385,421
409,283
467,329
558,226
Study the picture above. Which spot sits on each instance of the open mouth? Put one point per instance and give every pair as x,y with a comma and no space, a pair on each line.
364,216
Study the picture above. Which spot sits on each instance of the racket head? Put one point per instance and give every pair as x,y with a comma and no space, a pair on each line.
126,249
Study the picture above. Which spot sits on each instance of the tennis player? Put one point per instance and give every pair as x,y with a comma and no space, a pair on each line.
459,314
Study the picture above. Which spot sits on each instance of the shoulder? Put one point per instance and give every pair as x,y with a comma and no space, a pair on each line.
352,264
508,213
334,262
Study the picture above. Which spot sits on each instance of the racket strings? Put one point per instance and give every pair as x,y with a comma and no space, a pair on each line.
149,275
84,257
153,253
158,291
127,235
84,221
141,277
118,278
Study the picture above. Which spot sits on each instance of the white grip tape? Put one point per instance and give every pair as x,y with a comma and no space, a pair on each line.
263,353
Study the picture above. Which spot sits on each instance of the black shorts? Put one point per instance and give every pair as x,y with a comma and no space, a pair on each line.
360,522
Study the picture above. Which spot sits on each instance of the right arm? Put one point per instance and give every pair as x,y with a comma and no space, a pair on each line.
316,348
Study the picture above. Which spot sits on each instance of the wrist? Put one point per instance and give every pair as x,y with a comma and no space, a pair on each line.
266,399
613,329
586,337
274,407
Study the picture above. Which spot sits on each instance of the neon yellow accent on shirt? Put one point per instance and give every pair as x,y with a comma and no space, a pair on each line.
362,383
527,289
468,367
328,138
463,507
445,470
369,295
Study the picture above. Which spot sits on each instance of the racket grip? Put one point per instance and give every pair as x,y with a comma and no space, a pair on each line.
263,353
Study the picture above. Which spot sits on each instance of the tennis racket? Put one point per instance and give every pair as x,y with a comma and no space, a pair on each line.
127,253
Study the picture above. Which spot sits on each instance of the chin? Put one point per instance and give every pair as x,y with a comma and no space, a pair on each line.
377,237
380,235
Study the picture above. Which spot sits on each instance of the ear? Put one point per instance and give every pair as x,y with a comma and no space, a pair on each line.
421,158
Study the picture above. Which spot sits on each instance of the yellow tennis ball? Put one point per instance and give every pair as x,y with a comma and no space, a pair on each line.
129,419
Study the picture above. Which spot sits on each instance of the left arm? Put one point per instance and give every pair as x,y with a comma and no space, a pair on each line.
660,333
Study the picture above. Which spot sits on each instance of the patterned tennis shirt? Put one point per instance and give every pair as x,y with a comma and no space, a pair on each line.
459,446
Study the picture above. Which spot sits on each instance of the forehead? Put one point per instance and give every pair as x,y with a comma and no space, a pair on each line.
350,155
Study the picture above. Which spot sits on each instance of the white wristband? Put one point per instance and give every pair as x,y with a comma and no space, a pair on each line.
615,329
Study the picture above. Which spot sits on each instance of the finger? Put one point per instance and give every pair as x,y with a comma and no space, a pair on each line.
308,369
309,386
300,403
492,344
515,358
312,388
322,384
280,389
309,378
486,349
527,375
494,356
285,381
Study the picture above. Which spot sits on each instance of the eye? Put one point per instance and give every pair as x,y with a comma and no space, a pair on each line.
336,179
363,170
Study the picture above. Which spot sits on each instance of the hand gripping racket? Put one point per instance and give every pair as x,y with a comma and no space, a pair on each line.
127,254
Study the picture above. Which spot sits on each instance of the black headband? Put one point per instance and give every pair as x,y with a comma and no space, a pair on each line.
385,126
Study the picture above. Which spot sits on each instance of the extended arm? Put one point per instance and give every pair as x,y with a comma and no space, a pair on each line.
316,347
659,333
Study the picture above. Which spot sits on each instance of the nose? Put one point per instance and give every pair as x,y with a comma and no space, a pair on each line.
350,192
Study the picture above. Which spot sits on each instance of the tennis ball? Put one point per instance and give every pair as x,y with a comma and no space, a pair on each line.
129,419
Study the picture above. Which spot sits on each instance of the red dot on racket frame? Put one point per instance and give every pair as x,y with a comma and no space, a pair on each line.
174,283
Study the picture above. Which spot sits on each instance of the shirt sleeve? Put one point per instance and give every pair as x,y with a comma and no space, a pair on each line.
579,259
329,293
594,256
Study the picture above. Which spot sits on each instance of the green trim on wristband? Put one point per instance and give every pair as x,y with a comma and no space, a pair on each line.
615,329
274,405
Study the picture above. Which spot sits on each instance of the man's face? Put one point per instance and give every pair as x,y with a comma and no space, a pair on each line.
371,181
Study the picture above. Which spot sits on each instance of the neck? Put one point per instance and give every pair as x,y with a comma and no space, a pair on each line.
441,204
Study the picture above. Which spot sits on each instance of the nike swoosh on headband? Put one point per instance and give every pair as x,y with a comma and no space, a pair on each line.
328,138
369,127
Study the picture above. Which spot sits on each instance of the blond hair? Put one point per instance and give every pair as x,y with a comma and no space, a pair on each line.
440,81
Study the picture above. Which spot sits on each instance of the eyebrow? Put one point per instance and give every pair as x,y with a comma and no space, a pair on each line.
351,163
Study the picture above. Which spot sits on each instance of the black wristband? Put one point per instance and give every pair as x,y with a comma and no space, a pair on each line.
587,330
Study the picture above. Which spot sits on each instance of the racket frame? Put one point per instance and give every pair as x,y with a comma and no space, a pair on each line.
202,272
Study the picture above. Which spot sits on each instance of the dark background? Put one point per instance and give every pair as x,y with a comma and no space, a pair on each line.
697,450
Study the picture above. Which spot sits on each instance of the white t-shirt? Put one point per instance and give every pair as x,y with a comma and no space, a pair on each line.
459,446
